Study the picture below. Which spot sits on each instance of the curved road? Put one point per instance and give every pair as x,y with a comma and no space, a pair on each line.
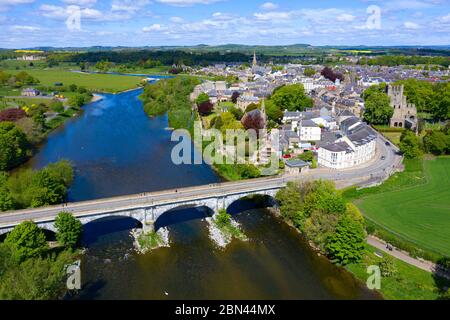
375,170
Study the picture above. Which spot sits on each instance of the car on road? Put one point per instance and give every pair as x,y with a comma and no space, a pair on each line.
383,158
387,143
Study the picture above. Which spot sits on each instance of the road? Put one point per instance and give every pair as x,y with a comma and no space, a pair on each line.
405,257
376,168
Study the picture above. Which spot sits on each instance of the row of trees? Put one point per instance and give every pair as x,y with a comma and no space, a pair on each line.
20,79
14,146
27,188
401,60
171,96
436,142
332,225
29,268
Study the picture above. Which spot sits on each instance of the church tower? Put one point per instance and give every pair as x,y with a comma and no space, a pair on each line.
255,62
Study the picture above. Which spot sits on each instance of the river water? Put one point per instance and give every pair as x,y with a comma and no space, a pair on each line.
117,150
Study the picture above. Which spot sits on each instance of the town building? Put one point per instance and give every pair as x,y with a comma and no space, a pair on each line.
30,92
356,147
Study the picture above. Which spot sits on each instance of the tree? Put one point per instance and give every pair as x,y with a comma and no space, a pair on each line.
409,144
291,98
56,106
309,72
6,199
69,229
205,108
387,266
202,98
237,113
12,115
35,278
346,245
377,108
435,142
14,146
235,96
78,100
273,112
291,203
331,75
28,240
253,120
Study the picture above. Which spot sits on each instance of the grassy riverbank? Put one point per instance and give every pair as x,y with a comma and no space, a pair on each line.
411,209
407,282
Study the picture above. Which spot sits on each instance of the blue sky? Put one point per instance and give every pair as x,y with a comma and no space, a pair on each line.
29,23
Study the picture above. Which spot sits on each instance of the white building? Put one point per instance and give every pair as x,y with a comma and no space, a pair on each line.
309,131
358,146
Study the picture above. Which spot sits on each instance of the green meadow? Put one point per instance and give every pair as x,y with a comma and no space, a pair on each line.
414,205
94,82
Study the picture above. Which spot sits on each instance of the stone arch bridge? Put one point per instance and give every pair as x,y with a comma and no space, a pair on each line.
147,207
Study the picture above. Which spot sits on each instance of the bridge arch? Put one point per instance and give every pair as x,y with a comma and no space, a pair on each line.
109,224
251,201
182,214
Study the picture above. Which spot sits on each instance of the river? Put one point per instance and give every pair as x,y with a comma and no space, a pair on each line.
116,149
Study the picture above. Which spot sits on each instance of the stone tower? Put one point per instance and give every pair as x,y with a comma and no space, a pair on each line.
255,62
405,114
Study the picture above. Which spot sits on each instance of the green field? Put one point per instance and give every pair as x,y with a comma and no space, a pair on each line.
410,283
416,209
94,82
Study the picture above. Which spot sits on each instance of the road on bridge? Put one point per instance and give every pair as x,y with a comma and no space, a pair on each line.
377,168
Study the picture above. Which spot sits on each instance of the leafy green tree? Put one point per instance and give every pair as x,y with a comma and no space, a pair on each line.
28,240
378,109
409,144
387,266
69,229
291,204
202,98
237,113
309,72
319,227
273,112
35,278
347,243
291,98
435,142
56,106
6,199
14,146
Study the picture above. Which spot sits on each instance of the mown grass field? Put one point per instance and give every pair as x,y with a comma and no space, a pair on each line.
416,211
94,82
409,283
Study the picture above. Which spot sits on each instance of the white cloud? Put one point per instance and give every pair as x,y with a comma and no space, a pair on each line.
269,6
60,13
345,17
6,4
24,28
176,19
81,3
186,3
273,16
155,27
411,25
131,6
